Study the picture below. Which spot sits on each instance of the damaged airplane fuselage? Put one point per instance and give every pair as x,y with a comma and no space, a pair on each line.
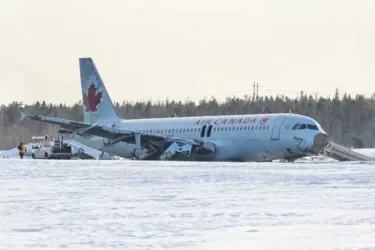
260,137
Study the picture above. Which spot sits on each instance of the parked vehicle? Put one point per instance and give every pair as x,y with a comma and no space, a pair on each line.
61,150
41,147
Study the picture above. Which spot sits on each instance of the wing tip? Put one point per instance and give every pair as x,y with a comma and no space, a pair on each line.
23,115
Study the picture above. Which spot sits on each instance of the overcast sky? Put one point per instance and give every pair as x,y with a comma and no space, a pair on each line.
175,49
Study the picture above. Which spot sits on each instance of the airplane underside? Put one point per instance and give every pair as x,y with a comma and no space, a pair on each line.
174,151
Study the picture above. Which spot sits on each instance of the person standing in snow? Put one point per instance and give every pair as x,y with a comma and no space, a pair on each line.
22,149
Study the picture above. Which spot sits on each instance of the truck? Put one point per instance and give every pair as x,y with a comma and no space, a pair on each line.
43,148
61,150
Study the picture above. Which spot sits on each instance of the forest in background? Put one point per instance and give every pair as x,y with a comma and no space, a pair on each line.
342,116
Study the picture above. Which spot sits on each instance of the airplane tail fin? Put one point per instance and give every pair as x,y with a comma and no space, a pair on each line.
97,104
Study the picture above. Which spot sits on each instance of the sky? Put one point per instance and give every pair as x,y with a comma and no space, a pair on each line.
186,50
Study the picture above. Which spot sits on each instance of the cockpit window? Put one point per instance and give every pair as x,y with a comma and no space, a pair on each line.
303,126
295,127
313,127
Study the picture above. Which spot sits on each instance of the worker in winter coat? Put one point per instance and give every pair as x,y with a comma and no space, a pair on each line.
22,149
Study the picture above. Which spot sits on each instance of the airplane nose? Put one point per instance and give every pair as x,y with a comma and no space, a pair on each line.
320,141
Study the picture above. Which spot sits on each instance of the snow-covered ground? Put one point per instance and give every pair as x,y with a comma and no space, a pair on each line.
156,205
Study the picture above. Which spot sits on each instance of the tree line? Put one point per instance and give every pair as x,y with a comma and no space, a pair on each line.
347,119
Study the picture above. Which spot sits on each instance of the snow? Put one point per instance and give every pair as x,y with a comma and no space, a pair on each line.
183,205
370,152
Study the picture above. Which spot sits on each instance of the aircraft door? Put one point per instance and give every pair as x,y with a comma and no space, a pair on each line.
275,133
203,130
209,129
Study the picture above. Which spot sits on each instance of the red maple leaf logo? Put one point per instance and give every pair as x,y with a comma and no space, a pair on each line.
264,120
91,99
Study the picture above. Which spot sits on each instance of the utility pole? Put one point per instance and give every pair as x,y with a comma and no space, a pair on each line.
253,91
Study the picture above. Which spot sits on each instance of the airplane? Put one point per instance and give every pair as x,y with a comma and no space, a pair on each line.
237,138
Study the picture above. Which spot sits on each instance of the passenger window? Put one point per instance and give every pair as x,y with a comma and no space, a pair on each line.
303,126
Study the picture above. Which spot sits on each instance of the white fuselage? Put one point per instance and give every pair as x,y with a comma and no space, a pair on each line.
236,137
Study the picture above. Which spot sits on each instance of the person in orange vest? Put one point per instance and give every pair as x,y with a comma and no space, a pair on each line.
22,149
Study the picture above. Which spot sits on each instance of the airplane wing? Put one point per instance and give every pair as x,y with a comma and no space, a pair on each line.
112,133
67,124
